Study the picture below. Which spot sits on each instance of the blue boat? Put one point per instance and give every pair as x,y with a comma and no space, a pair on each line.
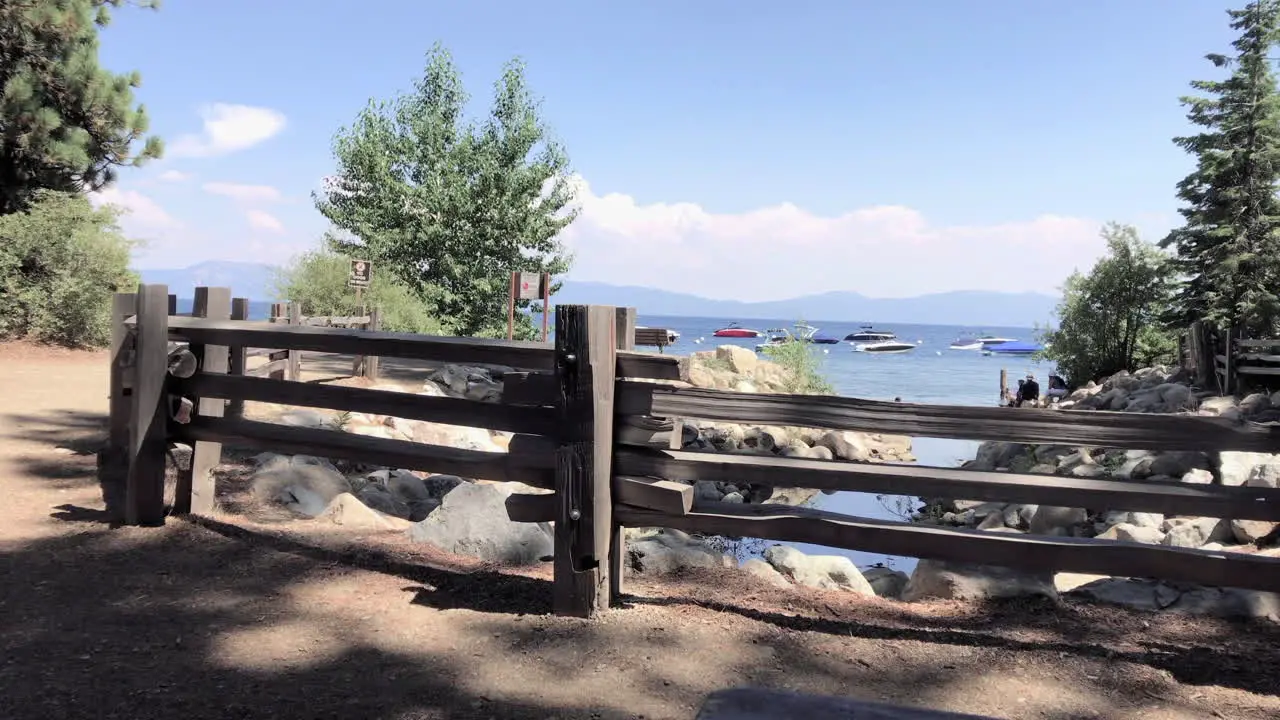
1013,348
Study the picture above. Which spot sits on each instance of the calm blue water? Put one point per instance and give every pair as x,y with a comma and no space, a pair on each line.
930,374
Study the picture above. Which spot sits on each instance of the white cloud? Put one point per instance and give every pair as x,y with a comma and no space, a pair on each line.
174,176
228,128
244,193
141,212
265,221
784,251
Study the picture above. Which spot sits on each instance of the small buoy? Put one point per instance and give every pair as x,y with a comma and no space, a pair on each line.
919,342
937,352
825,351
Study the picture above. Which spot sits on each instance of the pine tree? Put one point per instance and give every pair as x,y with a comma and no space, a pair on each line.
1227,250
66,124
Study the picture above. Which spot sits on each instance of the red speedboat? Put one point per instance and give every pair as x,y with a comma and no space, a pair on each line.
734,330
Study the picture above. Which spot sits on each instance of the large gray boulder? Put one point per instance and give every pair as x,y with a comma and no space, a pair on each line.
956,581
667,551
827,572
1154,595
301,483
472,521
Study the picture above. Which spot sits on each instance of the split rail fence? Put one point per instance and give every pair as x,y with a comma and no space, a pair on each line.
592,425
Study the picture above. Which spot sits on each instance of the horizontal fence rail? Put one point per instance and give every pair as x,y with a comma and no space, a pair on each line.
1139,431
508,466
1025,552
1174,498
346,341
410,406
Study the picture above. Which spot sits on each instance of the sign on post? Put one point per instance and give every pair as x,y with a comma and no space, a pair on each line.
529,286
361,270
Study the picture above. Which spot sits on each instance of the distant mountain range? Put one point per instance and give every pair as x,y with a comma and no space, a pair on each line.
962,307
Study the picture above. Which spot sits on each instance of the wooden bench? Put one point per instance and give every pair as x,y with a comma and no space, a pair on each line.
758,704
652,337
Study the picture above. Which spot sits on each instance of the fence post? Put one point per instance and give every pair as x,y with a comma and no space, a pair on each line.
173,304
113,463
148,409
586,361
195,489
293,367
625,340
239,356
371,361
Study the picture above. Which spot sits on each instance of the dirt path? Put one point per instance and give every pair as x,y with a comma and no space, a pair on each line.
226,619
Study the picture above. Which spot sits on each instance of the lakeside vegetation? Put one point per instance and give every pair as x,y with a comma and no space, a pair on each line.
447,206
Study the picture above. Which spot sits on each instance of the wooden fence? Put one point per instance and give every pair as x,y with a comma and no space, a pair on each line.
591,425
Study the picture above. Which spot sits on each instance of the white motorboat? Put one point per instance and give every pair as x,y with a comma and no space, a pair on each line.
868,334
981,342
884,347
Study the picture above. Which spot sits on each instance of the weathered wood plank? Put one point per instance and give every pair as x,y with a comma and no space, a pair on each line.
195,488
113,464
347,341
239,355
644,430
149,416
524,507
663,496
293,368
624,335
1239,503
523,468
1029,552
761,704
648,365
411,406
528,388
1027,425
1264,343
1256,370
585,364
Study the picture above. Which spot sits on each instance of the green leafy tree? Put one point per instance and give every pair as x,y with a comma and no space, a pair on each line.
60,262
1109,319
1228,251
66,124
452,207
318,280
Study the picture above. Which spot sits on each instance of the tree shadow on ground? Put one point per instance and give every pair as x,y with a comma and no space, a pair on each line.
74,438
1193,650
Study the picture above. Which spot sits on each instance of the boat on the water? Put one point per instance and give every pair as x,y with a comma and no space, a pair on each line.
803,333
884,347
734,330
980,342
1013,348
868,334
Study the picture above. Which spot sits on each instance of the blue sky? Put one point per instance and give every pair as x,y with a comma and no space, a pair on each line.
745,150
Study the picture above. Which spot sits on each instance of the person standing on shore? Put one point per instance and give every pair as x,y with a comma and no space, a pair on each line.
1029,391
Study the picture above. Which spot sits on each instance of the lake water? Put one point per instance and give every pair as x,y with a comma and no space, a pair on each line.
932,373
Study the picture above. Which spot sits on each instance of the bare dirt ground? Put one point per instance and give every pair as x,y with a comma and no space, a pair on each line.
231,617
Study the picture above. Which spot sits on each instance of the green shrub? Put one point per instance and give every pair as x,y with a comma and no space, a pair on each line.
803,366
318,280
60,262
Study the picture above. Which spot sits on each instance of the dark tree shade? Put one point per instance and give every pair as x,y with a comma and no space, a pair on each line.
1227,251
66,124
